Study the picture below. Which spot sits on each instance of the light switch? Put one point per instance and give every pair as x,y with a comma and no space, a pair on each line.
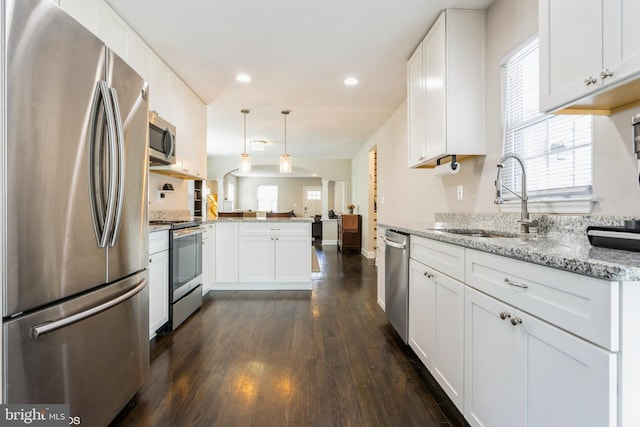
460,192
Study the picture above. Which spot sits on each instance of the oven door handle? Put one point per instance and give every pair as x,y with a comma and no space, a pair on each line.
178,234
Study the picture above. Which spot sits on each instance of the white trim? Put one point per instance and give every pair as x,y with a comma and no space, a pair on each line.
279,286
368,254
329,243
551,206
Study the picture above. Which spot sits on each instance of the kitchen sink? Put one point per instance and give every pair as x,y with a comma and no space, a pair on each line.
480,233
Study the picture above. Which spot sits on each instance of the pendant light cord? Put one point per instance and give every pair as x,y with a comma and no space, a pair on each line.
285,113
245,112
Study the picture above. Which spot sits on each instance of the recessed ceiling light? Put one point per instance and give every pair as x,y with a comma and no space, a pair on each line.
350,81
244,78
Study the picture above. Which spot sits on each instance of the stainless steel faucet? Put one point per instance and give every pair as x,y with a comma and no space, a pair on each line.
525,223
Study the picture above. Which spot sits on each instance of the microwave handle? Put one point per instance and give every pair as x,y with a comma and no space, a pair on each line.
172,141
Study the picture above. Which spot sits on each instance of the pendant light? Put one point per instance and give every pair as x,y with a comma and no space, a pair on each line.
245,160
285,159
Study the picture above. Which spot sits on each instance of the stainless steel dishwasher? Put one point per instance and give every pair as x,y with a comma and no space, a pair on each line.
396,281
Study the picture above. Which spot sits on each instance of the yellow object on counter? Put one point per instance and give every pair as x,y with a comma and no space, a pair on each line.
212,206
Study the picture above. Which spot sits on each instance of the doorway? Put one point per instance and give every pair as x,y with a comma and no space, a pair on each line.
312,197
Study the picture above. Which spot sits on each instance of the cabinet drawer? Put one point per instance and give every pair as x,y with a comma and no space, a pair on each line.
275,229
444,257
158,241
585,306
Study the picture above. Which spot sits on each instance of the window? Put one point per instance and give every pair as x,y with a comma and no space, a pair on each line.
268,198
314,195
556,149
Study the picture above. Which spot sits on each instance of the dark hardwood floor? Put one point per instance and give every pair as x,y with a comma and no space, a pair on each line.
325,357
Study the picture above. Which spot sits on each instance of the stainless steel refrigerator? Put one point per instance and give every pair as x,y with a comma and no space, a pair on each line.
75,300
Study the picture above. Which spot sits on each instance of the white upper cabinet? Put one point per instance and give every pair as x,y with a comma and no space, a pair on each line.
159,95
446,91
416,107
581,59
83,11
113,31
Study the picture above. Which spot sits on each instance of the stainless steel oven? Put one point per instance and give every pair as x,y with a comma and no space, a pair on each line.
185,271
185,250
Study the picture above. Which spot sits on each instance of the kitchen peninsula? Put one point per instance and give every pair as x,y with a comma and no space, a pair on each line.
262,254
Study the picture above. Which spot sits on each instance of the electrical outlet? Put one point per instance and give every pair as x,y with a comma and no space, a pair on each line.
460,192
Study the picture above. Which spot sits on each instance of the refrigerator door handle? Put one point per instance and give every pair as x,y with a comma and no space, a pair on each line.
120,165
47,327
101,121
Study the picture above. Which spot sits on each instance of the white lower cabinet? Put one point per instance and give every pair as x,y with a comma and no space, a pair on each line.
158,280
514,343
381,249
436,312
263,255
522,371
275,253
436,326
208,257
226,253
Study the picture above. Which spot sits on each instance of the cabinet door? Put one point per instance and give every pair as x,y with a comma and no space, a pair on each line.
381,250
226,253
421,312
492,371
562,70
415,106
159,97
569,382
448,355
256,259
293,259
208,258
113,31
621,32
158,291
83,11
435,72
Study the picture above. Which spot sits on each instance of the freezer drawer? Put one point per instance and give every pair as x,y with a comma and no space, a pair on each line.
95,364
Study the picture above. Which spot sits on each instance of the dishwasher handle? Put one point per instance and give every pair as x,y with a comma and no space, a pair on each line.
394,244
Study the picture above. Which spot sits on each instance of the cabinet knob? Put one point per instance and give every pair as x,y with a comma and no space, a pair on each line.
150,259
516,321
505,315
590,81
605,73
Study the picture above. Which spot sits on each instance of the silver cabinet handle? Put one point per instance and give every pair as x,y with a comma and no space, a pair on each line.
606,73
45,328
590,81
516,321
505,315
517,285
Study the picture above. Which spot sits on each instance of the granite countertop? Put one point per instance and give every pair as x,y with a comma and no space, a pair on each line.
569,251
262,219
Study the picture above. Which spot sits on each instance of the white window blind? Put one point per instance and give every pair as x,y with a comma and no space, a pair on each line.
556,149
267,198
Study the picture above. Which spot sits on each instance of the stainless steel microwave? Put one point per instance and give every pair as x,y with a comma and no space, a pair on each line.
162,141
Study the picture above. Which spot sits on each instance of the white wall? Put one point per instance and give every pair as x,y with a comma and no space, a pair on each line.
290,192
174,201
415,195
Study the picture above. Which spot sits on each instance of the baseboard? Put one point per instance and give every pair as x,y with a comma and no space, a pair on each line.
368,254
329,243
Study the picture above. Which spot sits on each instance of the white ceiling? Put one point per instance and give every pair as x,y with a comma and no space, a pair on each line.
298,53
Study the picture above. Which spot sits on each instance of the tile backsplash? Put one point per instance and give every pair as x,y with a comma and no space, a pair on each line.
509,221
